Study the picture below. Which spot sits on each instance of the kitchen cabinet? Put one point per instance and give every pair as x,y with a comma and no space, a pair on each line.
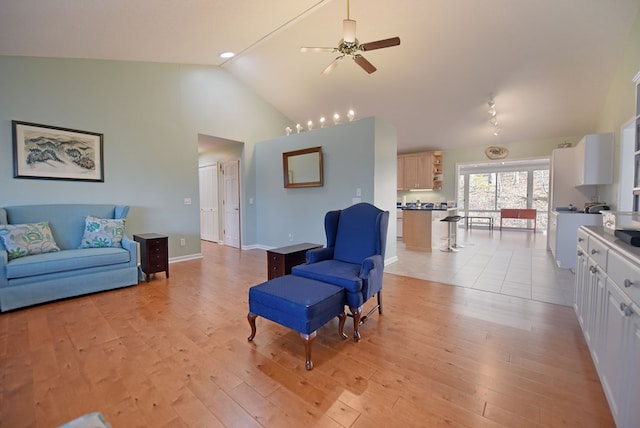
399,216
594,160
437,170
417,229
415,171
608,309
563,232
400,173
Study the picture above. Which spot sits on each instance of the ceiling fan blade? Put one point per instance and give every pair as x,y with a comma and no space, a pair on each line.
386,43
316,49
366,65
333,65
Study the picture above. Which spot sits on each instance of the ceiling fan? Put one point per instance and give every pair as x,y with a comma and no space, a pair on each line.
349,46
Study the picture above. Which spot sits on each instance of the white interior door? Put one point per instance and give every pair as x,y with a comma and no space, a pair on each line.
231,201
209,213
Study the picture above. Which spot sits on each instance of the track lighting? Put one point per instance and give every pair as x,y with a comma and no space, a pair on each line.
351,115
493,116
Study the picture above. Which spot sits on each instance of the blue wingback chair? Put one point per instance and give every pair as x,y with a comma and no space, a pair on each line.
353,257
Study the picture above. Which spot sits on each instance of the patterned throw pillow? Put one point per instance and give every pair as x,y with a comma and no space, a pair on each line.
102,232
25,239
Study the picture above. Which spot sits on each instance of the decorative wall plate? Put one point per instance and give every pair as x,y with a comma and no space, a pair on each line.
496,152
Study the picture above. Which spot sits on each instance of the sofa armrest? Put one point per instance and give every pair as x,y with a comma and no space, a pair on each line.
4,259
131,246
319,254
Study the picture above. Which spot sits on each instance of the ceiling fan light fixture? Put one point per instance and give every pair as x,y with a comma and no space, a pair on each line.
349,30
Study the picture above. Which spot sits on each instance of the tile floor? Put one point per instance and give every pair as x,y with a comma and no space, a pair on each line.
511,262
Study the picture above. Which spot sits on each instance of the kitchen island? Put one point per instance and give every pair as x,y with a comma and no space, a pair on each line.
422,229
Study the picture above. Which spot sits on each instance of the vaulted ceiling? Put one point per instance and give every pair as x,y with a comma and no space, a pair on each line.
547,63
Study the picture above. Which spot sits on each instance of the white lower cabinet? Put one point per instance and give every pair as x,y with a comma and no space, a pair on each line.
608,309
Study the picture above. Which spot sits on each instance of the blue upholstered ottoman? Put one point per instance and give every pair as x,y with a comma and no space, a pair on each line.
299,303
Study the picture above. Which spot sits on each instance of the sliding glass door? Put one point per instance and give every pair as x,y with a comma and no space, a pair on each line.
484,189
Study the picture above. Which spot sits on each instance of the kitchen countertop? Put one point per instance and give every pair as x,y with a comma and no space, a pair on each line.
423,209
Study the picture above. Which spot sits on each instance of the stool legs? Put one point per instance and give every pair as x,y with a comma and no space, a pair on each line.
306,338
308,341
252,322
451,245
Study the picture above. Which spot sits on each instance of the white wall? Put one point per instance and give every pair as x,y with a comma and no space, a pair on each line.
150,115
359,154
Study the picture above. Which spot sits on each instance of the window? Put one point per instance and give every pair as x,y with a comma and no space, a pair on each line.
484,189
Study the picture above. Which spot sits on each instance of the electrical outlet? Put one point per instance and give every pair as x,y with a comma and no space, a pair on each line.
187,201
183,242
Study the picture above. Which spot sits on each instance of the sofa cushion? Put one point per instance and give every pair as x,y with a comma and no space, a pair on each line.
26,239
66,260
336,272
102,232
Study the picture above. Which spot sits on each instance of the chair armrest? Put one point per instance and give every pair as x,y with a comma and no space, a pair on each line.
369,264
319,254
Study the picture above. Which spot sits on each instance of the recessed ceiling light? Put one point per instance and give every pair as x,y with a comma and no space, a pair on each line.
226,55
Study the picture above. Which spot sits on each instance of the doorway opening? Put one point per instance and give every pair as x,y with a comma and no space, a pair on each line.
219,162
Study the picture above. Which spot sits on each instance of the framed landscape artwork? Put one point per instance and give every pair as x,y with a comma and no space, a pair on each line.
52,153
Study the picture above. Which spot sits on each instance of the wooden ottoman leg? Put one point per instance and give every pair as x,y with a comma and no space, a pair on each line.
343,318
308,341
252,322
357,314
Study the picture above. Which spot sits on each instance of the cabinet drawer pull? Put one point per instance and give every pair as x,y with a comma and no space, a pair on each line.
580,239
627,283
593,269
595,251
580,253
626,309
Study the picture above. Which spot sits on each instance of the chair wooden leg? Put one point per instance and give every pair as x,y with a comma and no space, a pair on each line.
343,318
380,302
252,322
308,341
356,313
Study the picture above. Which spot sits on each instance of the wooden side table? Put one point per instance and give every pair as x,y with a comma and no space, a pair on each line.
154,253
281,260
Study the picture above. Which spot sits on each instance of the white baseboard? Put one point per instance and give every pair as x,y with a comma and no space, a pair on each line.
185,258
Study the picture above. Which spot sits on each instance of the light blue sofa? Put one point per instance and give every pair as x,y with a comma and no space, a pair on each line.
72,271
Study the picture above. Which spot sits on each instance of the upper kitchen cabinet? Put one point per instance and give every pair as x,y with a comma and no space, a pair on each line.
594,160
416,171
437,170
400,172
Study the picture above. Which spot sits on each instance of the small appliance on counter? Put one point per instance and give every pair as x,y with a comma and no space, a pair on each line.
595,207
631,237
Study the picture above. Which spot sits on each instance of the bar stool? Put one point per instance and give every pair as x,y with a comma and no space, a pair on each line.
452,246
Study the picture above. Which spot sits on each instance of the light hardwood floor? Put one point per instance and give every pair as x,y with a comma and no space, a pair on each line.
174,353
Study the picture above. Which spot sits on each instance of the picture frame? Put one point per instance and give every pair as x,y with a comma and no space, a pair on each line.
53,153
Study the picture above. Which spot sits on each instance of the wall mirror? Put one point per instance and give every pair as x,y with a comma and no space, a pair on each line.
302,168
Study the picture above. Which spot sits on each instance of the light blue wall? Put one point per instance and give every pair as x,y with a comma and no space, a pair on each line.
359,154
150,115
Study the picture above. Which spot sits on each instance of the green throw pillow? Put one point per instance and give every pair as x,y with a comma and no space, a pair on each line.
26,239
102,232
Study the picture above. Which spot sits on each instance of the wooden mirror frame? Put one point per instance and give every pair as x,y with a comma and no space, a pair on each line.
289,158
